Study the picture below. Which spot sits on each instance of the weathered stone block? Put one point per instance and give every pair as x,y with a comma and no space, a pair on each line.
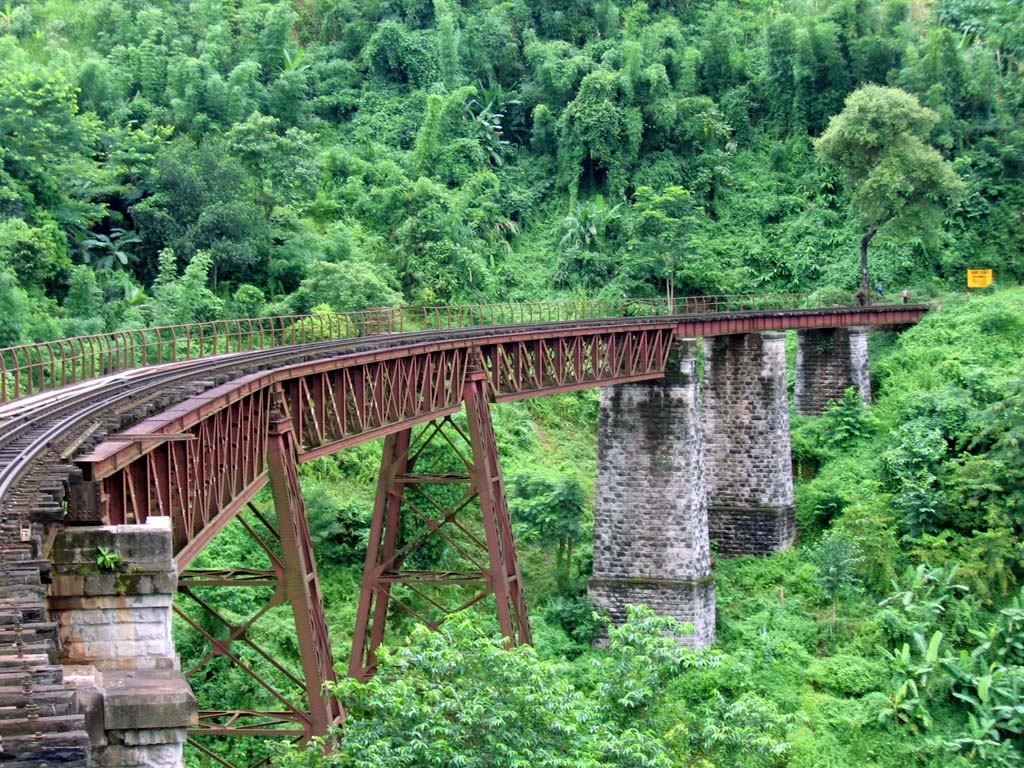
134,700
150,736
135,719
143,548
744,531
146,756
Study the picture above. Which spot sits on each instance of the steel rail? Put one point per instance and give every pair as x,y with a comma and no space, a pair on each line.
29,369
86,407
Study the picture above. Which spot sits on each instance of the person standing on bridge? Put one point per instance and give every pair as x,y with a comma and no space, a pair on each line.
861,299
906,296
880,289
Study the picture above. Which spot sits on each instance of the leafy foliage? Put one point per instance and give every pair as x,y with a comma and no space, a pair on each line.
898,181
511,708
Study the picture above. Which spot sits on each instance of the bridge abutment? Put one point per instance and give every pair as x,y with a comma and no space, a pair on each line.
828,362
747,444
650,521
112,596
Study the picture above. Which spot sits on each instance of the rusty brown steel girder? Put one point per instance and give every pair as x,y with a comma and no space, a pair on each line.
300,581
826,317
201,483
407,517
293,577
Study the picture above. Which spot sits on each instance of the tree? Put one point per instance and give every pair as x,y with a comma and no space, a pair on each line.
83,303
38,255
896,180
14,308
837,558
346,287
550,507
248,301
457,697
661,226
746,731
448,39
184,299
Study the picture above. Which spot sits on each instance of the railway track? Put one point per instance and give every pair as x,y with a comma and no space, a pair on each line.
39,438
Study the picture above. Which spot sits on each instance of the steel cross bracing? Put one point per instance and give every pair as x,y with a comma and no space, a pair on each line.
409,515
304,708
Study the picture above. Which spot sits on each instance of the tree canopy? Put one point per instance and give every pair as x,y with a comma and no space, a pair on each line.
897,180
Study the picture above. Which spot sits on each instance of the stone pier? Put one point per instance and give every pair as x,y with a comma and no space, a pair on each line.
650,521
747,445
828,362
111,596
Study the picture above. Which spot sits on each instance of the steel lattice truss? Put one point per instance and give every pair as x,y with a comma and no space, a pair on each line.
200,461
409,515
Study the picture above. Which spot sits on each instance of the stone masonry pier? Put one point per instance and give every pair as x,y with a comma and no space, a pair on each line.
650,527
748,462
828,362
111,596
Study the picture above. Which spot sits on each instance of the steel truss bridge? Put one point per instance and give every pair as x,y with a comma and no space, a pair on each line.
191,422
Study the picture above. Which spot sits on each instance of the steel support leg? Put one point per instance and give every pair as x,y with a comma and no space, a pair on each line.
375,593
406,517
302,587
505,579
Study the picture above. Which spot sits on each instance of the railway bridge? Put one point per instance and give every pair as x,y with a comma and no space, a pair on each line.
123,455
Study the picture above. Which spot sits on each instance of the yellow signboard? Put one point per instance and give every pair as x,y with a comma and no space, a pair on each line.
979,278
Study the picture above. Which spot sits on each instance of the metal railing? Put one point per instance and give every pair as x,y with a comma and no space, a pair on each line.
29,369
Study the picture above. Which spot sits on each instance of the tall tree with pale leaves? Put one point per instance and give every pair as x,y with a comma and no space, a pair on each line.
896,180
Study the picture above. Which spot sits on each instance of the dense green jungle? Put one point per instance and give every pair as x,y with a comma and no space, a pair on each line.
166,162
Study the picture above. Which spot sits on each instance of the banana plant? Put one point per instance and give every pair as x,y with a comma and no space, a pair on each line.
109,251
913,673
